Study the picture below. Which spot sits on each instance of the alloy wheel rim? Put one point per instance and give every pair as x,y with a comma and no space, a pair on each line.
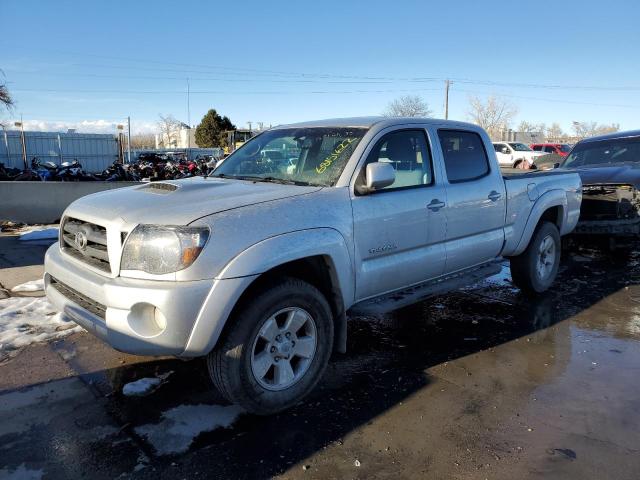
546,257
284,348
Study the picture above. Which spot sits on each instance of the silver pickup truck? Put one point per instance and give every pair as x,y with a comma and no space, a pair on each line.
257,265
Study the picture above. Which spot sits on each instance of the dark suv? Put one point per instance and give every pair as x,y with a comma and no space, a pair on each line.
609,166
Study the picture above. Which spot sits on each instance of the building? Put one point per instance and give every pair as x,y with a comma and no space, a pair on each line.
182,137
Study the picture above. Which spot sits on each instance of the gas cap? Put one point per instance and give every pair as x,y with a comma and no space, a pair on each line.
532,191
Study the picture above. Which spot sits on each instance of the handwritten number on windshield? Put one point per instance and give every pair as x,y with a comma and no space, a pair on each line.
326,163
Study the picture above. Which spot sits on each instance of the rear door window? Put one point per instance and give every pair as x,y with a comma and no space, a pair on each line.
465,158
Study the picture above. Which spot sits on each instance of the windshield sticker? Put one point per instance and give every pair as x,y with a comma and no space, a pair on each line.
326,163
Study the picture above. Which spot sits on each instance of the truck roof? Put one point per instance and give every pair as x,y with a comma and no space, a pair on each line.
609,136
368,122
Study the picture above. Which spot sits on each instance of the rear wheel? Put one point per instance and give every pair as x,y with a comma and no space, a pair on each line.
535,269
276,349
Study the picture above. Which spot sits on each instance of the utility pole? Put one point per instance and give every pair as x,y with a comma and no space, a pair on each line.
447,83
23,141
129,140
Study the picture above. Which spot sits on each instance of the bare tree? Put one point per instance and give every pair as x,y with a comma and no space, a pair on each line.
169,128
494,114
5,97
528,127
6,100
143,140
555,132
408,106
591,129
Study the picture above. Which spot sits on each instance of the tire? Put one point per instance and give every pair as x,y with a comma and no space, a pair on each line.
250,346
526,269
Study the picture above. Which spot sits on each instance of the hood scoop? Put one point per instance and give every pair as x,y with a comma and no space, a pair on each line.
160,187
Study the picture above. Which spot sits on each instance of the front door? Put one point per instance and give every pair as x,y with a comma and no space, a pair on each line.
503,158
399,230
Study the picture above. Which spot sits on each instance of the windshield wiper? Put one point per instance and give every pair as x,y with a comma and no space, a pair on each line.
255,178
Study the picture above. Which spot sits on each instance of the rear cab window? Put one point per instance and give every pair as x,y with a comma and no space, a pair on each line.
464,155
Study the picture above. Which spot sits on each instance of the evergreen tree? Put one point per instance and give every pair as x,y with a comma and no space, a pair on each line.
211,130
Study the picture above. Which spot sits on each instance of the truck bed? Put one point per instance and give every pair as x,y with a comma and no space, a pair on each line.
514,173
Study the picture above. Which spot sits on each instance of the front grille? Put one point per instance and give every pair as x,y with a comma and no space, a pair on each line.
609,202
85,241
76,297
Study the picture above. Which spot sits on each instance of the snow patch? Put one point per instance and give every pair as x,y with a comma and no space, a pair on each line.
32,286
503,278
181,425
144,386
26,320
141,387
21,473
40,233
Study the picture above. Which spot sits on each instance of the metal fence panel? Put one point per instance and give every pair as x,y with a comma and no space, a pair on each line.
94,151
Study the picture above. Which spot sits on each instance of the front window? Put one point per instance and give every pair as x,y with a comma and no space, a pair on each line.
520,147
300,156
617,150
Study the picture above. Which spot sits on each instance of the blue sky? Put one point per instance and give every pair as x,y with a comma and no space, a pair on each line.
72,61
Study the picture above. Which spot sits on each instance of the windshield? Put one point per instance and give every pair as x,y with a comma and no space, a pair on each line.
520,147
605,151
565,148
301,156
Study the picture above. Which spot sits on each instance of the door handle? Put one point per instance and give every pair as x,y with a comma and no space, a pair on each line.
494,196
435,205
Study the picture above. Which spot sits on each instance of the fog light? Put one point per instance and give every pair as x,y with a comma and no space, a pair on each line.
146,320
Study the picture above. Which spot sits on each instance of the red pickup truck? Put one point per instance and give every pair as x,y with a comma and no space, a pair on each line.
561,149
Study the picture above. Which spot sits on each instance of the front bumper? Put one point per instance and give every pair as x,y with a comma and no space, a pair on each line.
143,317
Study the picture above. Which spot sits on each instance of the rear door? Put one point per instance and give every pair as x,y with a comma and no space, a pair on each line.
475,212
400,230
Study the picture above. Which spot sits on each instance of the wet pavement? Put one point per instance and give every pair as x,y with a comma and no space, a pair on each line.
481,383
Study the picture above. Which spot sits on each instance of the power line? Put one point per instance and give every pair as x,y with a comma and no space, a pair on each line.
262,72
220,92
553,100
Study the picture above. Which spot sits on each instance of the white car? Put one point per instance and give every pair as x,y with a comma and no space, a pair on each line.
511,154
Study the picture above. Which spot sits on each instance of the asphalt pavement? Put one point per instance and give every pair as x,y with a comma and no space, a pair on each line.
480,383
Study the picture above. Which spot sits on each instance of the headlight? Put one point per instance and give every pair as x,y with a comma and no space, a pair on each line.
157,249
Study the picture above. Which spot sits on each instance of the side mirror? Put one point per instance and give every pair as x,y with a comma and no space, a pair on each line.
556,165
378,175
505,150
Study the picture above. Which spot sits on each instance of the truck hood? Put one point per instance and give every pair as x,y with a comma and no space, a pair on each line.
180,202
628,173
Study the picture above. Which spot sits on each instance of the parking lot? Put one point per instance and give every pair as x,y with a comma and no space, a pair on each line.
482,383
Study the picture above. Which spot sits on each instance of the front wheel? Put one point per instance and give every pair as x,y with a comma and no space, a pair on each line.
276,348
535,269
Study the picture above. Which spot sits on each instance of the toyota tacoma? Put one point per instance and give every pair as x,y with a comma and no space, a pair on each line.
258,265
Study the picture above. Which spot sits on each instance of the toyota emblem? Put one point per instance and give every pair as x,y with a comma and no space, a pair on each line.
80,240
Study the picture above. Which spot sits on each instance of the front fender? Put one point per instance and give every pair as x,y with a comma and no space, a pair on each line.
275,251
246,267
550,199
